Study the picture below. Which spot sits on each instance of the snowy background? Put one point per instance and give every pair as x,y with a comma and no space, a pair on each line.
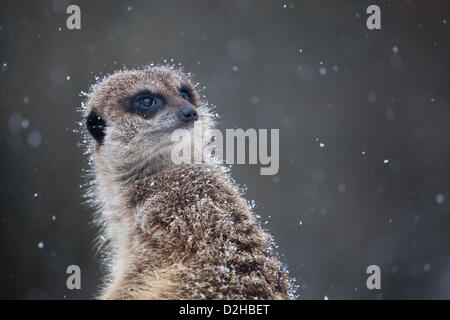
363,117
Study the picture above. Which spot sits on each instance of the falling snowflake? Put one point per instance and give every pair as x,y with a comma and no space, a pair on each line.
440,198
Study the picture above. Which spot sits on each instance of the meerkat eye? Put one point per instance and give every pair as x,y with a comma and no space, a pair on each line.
145,103
186,94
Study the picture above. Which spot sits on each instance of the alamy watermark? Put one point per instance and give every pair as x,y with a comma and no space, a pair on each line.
374,280
73,21
74,280
199,145
373,22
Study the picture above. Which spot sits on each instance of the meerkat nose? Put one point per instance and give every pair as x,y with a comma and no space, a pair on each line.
188,114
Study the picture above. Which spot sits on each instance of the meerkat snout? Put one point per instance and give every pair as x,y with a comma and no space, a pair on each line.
188,114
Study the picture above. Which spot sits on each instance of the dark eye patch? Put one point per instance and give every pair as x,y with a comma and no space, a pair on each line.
187,94
144,103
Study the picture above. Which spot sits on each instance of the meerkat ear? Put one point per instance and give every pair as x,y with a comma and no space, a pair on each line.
96,127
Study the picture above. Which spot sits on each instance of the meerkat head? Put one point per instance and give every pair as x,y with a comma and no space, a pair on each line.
132,114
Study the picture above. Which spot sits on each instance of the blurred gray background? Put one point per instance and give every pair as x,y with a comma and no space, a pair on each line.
310,68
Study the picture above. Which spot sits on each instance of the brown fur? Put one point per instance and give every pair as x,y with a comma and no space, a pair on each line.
173,231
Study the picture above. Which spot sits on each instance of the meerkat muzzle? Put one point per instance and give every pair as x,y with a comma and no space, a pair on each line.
188,114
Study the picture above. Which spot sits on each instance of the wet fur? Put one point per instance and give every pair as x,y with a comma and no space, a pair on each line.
171,231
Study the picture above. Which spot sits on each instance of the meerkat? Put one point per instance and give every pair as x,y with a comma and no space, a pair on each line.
171,231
